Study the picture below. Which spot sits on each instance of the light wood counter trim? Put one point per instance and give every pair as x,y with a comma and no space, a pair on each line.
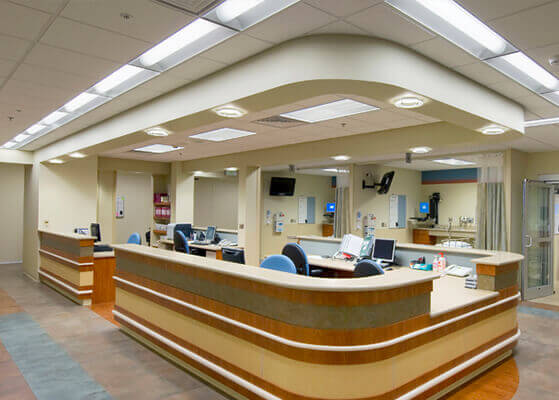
494,270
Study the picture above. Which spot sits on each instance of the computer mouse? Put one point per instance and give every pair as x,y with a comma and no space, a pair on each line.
388,269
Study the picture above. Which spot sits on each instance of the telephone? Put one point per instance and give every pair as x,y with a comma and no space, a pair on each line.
457,270
224,243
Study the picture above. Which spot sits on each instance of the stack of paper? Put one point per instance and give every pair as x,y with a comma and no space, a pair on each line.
471,282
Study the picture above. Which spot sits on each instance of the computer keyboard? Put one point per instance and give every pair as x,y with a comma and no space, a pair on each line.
101,247
201,242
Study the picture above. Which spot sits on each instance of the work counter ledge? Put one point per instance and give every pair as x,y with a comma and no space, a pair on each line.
68,264
262,334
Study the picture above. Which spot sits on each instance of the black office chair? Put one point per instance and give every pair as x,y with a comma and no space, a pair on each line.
367,268
296,253
95,231
181,244
233,255
148,238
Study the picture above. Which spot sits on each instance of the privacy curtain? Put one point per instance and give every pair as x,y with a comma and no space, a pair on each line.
490,213
341,217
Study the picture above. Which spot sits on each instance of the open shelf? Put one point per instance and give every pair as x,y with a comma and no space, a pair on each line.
162,204
160,232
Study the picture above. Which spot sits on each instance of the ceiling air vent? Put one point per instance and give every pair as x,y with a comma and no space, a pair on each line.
277,121
189,6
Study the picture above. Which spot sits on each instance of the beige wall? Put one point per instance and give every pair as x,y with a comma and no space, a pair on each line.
406,182
137,189
320,187
31,221
215,202
106,205
11,212
457,200
68,195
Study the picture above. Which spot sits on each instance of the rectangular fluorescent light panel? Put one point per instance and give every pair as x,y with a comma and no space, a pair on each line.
35,128
454,23
220,135
158,148
53,117
552,97
541,122
454,162
242,14
324,112
122,80
79,101
21,137
9,145
194,38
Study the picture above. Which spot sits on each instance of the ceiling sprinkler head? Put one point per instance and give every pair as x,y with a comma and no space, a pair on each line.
554,60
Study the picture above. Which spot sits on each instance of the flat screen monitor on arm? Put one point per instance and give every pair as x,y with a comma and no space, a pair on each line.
384,250
210,233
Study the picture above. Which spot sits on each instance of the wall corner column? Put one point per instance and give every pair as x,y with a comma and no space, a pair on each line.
249,212
182,194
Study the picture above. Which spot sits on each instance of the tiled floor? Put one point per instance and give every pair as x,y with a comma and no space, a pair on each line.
127,370
552,300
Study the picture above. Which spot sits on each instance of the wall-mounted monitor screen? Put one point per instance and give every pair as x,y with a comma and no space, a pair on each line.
330,207
424,207
281,186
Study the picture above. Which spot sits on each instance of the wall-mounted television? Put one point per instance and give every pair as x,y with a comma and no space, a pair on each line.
281,186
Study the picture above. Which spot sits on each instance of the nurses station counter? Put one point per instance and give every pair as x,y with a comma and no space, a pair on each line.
262,334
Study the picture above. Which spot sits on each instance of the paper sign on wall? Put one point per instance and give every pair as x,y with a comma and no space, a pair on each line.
120,206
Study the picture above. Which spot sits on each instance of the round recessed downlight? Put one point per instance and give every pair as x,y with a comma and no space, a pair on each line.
229,112
421,149
493,130
157,131
409,102
56,161
340,158
77,155
231,169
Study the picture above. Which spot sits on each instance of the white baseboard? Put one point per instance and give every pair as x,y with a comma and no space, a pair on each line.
10,262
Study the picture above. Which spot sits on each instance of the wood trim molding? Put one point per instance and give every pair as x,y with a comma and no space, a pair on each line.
80,294
303,296
494,270
258,388
312,353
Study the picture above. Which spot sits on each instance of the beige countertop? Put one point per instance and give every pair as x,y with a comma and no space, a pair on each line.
449,294
205,228
489,257
68,235
103,254
394,279
441,229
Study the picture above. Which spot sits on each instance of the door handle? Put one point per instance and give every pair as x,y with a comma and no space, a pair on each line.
531,242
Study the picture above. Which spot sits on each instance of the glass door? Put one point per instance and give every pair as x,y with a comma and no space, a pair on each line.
537,239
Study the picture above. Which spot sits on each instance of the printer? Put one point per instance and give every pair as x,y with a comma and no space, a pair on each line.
170,232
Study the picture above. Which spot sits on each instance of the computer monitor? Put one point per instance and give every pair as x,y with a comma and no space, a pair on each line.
184,228
424,207
210,233
330,207
384,250
95,232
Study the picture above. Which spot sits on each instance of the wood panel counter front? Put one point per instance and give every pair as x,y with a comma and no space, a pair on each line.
263,334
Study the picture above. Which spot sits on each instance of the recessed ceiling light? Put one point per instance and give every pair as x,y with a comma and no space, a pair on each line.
53,117
79,101
340,158
336,170
21,137
229,112
9,145
231,169
56,161
335,109
454,162
116,78
409,102
456,24
35,128
493,130
220,135
157,131
421,149
541,122
158,148
77,155
241,14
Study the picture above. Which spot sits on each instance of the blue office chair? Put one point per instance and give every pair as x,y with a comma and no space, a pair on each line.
279,262
367,268
296,254
181,244
135,238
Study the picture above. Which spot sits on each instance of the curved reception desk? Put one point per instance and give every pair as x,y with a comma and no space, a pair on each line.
263,334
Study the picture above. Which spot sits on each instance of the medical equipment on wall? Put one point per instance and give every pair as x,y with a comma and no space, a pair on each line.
279,221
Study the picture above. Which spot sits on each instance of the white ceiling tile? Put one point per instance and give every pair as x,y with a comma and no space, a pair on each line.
50,6
490,9
538,105
34,93
535,27
342,8
529,145
13,48
547,134
339,27
444,52
165,83
236,48
6,67
528,116
510,88
482,73
93,41
382,21
22,22
150,21
542,55
290,23
69,61
196,68
52,78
